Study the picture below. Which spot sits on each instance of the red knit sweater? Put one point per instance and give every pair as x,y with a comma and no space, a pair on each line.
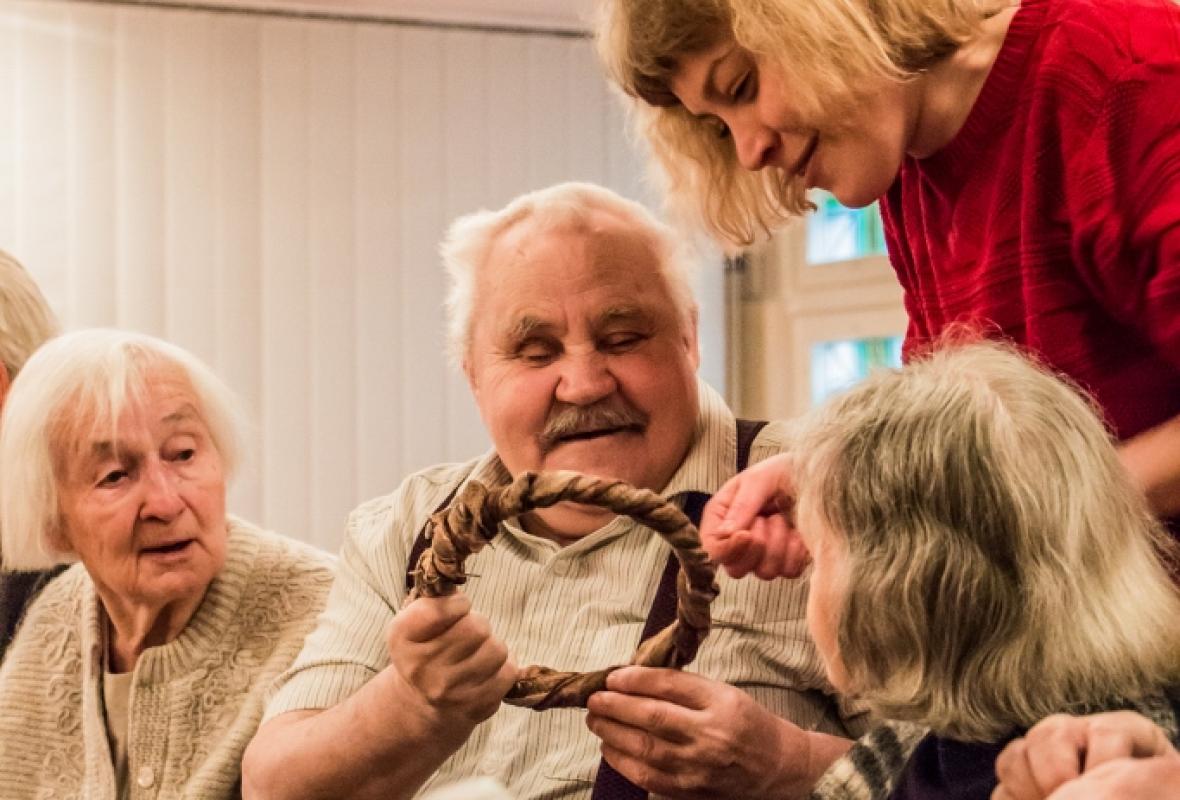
1053,217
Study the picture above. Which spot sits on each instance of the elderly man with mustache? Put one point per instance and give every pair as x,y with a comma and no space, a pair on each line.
571,314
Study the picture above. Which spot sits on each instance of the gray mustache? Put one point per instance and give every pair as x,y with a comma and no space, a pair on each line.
572,420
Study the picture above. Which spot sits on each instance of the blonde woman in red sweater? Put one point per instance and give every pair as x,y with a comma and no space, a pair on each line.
1026,156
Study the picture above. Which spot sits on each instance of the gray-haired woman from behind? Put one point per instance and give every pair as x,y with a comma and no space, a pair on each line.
981,560
144,667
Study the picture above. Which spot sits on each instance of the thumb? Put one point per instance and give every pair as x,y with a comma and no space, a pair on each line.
427,618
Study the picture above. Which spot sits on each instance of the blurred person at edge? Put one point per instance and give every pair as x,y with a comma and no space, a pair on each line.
26,321
142,670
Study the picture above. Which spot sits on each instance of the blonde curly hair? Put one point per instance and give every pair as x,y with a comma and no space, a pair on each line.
824,49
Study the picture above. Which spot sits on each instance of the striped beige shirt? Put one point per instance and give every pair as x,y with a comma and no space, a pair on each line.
576,607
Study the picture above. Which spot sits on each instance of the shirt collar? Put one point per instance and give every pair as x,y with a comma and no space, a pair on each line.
711,458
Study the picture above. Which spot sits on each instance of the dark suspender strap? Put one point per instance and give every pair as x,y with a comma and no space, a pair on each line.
663,607
747,432
610,783
422,540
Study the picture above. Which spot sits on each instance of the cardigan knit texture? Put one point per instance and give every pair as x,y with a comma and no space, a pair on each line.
195,702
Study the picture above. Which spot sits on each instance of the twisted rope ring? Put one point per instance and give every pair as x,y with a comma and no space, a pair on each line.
472,520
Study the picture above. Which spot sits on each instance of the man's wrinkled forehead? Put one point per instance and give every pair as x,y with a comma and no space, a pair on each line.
602,234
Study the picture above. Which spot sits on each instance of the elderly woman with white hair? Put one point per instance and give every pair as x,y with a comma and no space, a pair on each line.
981,561
142,670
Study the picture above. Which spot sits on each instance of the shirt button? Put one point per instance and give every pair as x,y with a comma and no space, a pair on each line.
561,566
146,777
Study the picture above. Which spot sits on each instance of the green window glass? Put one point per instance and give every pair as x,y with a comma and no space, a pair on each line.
836,366
836,233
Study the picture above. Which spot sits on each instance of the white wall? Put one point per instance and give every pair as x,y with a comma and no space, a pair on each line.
269,193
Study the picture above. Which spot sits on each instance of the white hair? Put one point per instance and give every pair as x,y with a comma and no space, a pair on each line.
25,318
470,239
80,382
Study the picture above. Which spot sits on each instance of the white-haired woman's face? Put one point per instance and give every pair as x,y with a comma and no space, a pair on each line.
146,512
750,103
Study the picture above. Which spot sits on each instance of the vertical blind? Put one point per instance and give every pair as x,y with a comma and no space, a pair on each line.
269,193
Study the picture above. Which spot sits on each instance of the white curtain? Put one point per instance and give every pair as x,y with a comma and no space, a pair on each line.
269,193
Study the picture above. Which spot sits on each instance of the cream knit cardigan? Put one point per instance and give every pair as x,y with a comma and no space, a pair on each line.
195,702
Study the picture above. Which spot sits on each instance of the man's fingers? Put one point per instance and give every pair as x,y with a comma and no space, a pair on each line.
1016,779
655,719
1055,752
671,685
636,742
1123,734
480,664
461,641
636,770
1126,779
427,618
1061,747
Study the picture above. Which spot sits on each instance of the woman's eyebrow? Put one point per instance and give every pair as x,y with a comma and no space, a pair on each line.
711,87
183,414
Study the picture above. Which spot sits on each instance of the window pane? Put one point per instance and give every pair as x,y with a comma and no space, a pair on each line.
836,233
836,366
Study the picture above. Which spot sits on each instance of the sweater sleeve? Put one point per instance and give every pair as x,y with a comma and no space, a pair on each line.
869,770
1123,195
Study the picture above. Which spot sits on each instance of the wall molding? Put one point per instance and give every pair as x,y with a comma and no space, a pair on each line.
568,18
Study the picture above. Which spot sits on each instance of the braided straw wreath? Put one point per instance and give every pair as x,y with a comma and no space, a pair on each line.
472,520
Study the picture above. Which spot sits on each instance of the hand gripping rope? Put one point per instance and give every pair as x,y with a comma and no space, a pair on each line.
472,520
